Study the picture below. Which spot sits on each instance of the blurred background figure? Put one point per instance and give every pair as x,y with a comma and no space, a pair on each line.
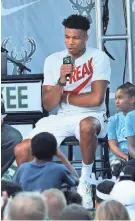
103,191
111,210
27,206
10,137
124,192
55,201
75,212
73,197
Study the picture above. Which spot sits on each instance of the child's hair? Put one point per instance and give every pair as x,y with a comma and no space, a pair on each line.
44,146
72,197
111,210
77,22
11,188
104,188
128,88
129,169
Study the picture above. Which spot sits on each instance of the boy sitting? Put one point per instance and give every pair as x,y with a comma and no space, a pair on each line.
42,173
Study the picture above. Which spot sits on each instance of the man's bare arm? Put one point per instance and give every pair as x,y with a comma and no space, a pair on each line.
90,99
131,146
51,96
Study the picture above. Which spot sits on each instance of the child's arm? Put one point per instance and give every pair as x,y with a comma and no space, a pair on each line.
66,162
113,138
130,132
115,149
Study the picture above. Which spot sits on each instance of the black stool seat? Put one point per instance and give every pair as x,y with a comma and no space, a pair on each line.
73,141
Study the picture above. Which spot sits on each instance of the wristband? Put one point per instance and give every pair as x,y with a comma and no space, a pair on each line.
60,83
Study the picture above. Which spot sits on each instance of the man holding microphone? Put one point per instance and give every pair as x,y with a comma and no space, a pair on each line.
80,101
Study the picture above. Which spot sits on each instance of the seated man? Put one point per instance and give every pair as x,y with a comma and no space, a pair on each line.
130,132
9,138
81,101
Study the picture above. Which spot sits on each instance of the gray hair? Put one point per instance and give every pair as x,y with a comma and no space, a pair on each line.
27,206
56,202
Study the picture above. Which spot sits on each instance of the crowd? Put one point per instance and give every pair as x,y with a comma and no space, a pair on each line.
37,191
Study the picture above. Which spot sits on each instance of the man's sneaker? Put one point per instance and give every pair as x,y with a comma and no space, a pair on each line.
84,189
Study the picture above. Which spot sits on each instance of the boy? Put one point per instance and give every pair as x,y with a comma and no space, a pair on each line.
42,173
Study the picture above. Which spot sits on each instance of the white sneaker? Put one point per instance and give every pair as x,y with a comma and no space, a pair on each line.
84,189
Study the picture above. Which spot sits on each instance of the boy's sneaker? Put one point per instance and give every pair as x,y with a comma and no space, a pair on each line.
84,189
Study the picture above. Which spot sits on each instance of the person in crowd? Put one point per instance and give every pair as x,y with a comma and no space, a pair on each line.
11,188
75,212
9,142
124,192
80,101
4,203
42,173
27,206
103,191
111,210
125,102
130,132
129,169
55,201
72,197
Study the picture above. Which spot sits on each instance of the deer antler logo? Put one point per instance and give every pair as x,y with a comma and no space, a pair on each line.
25,56
84,7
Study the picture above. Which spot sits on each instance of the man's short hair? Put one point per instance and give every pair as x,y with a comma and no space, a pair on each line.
130,170
75,212
73,197
56,202
77,22
11,188
44,146
103,190
27,206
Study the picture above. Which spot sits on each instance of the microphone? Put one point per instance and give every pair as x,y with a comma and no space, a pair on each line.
68,60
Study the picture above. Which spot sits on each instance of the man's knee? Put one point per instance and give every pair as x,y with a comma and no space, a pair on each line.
87,127
23,147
